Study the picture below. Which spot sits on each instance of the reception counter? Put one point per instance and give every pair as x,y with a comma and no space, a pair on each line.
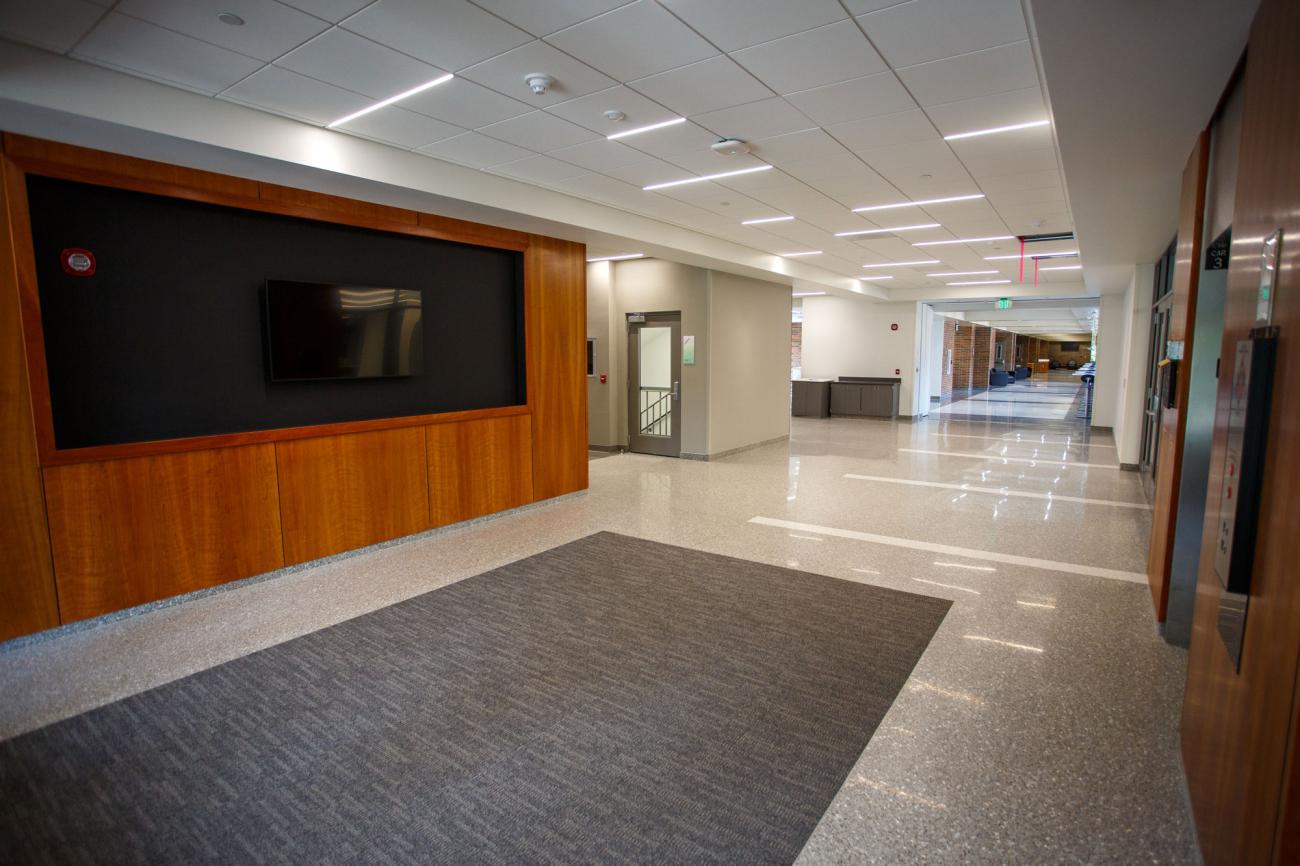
869,396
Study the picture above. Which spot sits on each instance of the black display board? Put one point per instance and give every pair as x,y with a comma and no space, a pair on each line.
166,339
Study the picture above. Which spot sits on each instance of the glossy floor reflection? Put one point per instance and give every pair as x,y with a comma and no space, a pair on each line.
1051,398
1039,726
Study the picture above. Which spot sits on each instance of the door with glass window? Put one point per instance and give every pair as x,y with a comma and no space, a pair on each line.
654,364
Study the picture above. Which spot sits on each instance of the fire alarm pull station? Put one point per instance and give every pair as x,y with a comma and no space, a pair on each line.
603,378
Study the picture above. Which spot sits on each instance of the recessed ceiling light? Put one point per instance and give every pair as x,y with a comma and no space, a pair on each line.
919,203
979,283
960,273
703,178
903,264
230,18
640,129
1063,268
888,230
804,253
966,241
390,100
996,129
617,258
806,294
1033,256
779,219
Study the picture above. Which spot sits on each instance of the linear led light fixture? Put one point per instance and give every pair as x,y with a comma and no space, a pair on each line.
873,279
778,219
705,177
1063,268
617,258
1033,256
979,283
919,203
804,253
903,264
640,129
996,129
390,100
888,230
806,294
961,273
966,241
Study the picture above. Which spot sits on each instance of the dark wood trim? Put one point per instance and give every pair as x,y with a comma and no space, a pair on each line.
65,456
24,155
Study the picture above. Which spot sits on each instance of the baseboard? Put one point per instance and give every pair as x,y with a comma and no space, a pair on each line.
613,449
1129,467
720,454
1097,428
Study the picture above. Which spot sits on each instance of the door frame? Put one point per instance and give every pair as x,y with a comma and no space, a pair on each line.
669,445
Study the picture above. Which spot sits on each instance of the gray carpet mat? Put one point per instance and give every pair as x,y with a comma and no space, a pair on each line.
612,700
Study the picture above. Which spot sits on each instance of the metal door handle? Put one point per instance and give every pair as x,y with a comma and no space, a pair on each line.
677,390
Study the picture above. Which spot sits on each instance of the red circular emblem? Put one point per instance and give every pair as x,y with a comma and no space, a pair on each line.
893,327
78,262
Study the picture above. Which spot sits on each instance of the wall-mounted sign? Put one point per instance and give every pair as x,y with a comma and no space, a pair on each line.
78,262
1216,255
688,350
1268,260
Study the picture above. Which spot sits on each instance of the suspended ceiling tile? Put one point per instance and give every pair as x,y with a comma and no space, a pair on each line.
994,70
984,112
330,10
394,125
475,150
905,127
539,169
707,85
797,147
354,63
602,155
450,34
464,103
544,18
633,41
671,140
925,30
55,25
538,131
735,24
150,51
856,99
270,29
589,111
284,92
756,120
505,73
814,58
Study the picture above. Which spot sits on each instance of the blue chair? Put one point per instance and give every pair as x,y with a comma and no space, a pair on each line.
999,378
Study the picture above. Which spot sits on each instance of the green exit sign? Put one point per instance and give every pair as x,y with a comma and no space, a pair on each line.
1004,303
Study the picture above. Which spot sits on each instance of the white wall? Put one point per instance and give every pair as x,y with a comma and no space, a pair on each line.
601,429
1128,426
1112,337
749,375
851,337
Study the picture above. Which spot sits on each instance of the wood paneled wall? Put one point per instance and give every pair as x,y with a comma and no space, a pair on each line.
27,598
130,524
1173,420
1239,729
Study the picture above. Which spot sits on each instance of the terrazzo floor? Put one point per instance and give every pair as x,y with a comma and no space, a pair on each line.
1050,398
1040,726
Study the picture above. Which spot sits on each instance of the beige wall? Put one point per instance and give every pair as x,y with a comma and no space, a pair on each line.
749,378
852,337
737,391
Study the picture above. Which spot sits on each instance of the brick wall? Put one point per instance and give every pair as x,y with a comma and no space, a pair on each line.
949,332
963,351
1007,341
981,357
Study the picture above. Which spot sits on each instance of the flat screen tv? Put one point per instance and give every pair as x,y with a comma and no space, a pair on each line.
320,331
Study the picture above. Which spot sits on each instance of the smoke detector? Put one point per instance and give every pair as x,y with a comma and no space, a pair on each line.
539,82
730,147
615,115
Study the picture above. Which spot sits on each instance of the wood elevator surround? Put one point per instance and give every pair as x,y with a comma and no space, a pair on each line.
1173,419
132,523
1239,728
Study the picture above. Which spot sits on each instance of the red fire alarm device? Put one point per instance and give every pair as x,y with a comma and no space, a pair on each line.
893,327
603,378
897,371
78,262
